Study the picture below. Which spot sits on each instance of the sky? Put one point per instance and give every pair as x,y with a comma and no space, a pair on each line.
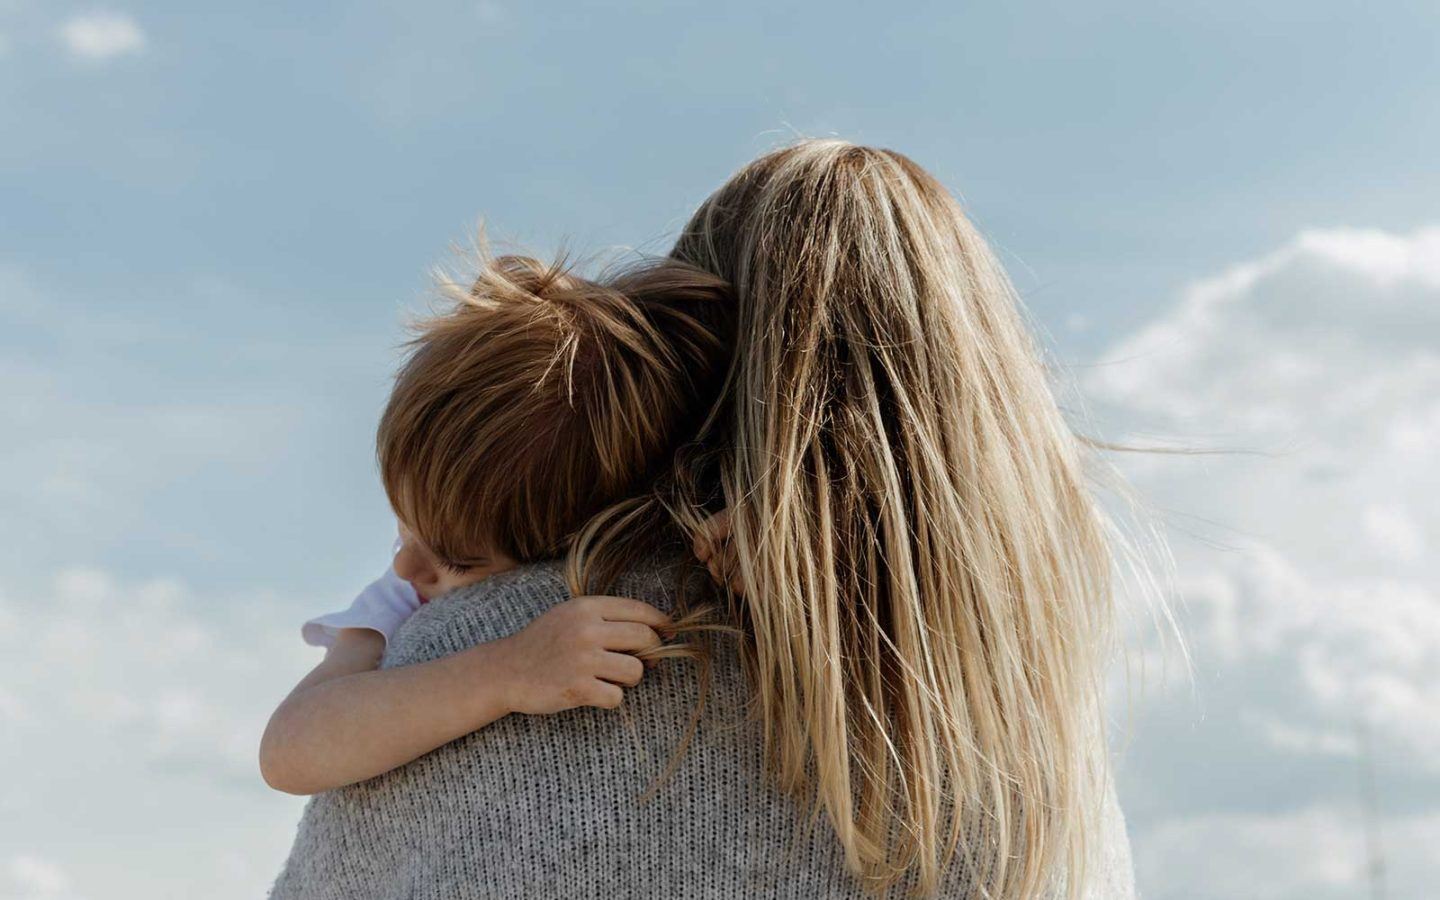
1223,218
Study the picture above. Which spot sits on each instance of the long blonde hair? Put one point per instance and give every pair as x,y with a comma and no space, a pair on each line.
926,581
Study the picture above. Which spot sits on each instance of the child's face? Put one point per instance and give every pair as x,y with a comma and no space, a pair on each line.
431,577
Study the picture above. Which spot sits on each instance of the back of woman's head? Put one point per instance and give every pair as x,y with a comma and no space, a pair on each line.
536,398
925,577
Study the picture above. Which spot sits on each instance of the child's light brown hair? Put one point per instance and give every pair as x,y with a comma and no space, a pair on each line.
537,398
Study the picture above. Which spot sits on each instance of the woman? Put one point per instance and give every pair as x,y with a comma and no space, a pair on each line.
927,580
918,577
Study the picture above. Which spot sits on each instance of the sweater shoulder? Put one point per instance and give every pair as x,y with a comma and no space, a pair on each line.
508,601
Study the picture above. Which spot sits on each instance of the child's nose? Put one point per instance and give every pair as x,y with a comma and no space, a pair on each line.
409,565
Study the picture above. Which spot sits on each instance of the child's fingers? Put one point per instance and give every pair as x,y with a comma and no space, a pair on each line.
725,569
713,532
621,668
604,695
719,525
629,636
624,609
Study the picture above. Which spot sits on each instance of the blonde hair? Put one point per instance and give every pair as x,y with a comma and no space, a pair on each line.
534,398
927,585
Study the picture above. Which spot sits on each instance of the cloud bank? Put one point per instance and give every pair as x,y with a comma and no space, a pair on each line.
1311,603
101,36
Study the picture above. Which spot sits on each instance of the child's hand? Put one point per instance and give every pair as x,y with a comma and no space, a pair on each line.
574,654
712,547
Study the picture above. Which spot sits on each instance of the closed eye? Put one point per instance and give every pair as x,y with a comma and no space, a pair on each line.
456,568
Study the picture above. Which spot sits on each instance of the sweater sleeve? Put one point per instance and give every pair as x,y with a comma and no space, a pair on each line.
1114,878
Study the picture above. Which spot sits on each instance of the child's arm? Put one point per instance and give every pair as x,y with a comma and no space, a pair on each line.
347,721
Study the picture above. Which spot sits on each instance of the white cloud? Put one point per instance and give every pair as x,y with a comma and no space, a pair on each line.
1394,532
1315,853
1323,325
1285,736
1310,591
135,667
100,36
1312,658
144,704
34,877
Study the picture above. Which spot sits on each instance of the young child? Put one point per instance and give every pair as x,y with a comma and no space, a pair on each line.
537,401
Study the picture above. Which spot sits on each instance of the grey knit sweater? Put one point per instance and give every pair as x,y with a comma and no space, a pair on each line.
547,806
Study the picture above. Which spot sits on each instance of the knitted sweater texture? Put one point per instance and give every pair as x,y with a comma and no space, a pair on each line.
548,806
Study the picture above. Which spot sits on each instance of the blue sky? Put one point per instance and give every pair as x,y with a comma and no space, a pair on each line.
212,220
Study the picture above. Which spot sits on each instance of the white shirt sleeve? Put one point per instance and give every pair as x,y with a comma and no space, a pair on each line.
382,606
